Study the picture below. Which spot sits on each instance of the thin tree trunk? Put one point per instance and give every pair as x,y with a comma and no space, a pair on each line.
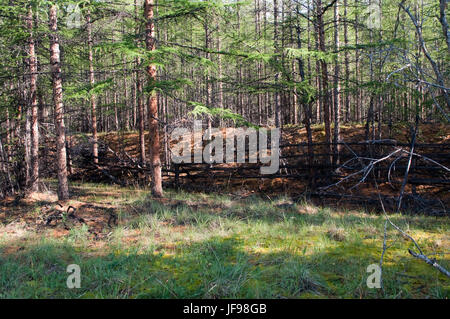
139,97
346,64
125,85
278,122
258,63
8,137
27,142
209,97
134,98
116,112
141,109
55,62
306,108
92,82
153,102
358,111
320,97
34,149
324,69
220,71
337,88
444,23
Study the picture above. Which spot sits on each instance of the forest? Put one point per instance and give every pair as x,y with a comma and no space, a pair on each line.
244,149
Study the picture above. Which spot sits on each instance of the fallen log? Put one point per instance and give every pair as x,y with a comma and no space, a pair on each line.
429,261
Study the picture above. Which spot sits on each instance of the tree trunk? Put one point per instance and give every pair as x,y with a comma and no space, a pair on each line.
358,97
258,63
346,64
8,137
209,94
55,62
153,103
444,23
324,69
306,108
92,82
337,88
220,83
27,142
139,97
141,119
34,145
126,106
275,42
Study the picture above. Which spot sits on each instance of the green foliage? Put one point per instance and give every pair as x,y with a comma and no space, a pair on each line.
86,91
200,109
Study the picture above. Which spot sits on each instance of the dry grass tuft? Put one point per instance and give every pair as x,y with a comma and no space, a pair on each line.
337,233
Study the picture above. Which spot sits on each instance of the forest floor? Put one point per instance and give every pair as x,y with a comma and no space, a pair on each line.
198,245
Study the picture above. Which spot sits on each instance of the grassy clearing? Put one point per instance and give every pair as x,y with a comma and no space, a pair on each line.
195,245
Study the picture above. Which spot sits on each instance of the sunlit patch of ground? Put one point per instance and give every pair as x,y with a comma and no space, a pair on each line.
201,245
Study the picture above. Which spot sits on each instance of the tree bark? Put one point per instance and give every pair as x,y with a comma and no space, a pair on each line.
8,137
139,97
358,97
92,82
275,41
337,88
346,65
153,102
259,96
125,86
55,62
34,139
444,23
209,93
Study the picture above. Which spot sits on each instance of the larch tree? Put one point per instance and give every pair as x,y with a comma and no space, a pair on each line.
337,86
93,97
55,64
319,20
278,120
140,101
34,112
154,146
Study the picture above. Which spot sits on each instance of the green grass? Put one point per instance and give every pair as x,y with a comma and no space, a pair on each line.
199,245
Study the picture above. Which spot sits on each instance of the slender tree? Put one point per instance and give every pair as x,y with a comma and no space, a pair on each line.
278,120
34,116
155,146
337,86
55,62
93,97
140,101
320,11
